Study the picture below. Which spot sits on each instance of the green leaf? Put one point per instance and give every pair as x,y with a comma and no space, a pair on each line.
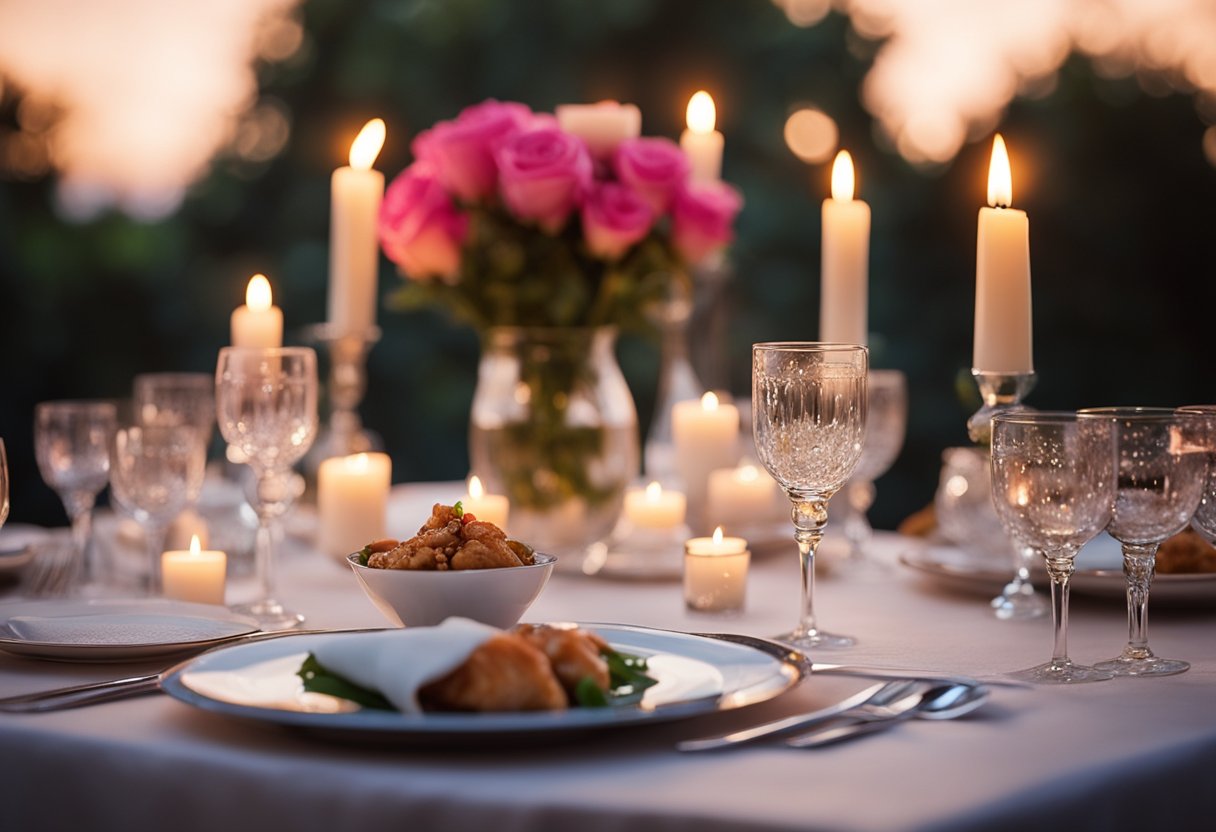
319,679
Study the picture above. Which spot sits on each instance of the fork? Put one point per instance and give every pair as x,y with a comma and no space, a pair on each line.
871,704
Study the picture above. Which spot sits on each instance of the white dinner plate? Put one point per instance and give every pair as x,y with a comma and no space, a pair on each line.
697,675
1099,573
115,631
17,541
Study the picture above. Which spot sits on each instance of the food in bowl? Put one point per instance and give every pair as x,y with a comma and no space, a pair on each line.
450,539
461,665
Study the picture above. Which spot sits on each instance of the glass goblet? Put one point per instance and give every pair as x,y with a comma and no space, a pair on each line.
1162,469
1204,519
1053,486
809,422
266,405
886,423
71,442
156,472
171,399
3,485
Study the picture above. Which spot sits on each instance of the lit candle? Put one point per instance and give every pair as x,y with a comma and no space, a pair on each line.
715,573
845,259
654,507
743,496
186,525
706,435
195,575
352,501
701,143
259,323
1002,276
602,126
355,195
492,508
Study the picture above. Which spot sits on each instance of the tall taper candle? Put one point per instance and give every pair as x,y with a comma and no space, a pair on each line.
355,194
845,273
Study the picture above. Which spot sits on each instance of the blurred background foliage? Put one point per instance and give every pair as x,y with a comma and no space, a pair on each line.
1120,197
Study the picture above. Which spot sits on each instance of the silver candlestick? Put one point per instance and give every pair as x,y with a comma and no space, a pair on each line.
346,386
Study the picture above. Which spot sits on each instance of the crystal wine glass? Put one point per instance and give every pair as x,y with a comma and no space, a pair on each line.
1162,469
170,399
71,443
155,472
1053,486
3,485
1204,520
809,422
266,404
886,423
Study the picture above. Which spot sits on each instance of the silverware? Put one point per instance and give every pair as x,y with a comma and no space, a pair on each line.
77,695
869,703
940,702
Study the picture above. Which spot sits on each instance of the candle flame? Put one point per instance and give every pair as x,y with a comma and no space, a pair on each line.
1000,178
843,177
718,536
701,114
709,401
356,463
653,492
476,490
195,546
366,146
257,293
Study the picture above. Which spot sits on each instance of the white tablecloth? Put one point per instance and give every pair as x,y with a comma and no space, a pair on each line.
1123,754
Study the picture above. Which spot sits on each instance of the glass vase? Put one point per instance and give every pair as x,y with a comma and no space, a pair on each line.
554,427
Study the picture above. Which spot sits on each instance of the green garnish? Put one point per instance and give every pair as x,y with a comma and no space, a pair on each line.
627,681
319,679
458,509
364,554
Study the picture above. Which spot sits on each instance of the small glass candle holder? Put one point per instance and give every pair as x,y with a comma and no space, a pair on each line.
715,574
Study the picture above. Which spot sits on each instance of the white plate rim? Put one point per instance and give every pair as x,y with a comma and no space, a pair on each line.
788,669
32,648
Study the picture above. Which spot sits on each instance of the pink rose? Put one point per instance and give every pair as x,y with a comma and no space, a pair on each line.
614,218
702,219
543,175
654,167
462,150
420,228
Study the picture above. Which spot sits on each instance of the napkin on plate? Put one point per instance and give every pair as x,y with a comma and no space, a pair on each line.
396,663
121,629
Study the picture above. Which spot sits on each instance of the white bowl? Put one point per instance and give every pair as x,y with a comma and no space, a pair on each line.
422,598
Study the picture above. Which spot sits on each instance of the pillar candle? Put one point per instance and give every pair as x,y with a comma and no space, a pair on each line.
195,574
743,496
492,508
701,143
706,437
715,573
845,260
602,126
352,501
1003,332
355,195
655,507
259,323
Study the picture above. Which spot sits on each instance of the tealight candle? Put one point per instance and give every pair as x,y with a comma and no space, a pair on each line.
701,143
259,323
844,272
355,195
654,507
742,496
706,435
1003,332
352,501
492,508
602,126
715,573
195,574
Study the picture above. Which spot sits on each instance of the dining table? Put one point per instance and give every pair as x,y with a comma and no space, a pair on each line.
1123,754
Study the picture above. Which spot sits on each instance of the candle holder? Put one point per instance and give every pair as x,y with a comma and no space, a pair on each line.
345,387
715,582
638,553
678,382
999,391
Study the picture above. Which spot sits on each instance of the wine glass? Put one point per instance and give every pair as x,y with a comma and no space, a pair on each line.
886,423
3,485
1204,519
155,472
1162,469
71,442
266,404
809,422
171,399
1053,486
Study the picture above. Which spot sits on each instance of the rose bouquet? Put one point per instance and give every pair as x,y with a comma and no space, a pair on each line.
509,220
548,242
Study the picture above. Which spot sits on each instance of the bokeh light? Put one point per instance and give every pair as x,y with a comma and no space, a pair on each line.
811,135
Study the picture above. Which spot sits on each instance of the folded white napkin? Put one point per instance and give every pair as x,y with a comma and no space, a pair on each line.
121,629
396,663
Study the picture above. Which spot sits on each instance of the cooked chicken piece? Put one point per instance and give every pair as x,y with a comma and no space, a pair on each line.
445,541
506,673
574,654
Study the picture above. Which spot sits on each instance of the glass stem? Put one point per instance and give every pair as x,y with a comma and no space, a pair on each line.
1139,562
1024,558
859,497
1060,568
80,510
810,516
154,543
263,557
274,497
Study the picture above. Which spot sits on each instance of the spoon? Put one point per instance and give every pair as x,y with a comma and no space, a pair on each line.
945,701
